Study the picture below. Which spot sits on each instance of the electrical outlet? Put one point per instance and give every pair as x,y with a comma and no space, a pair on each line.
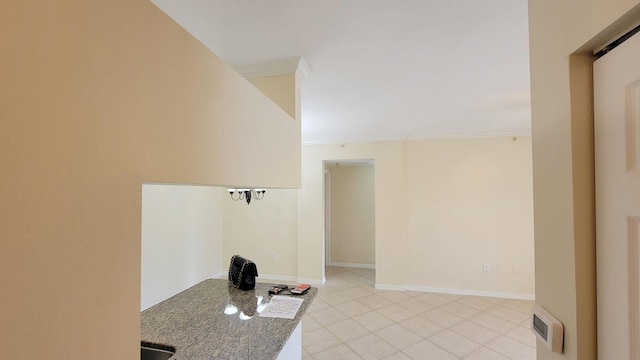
515,269
500,268
486,268
273,255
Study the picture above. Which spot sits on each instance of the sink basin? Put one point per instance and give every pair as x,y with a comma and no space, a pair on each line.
150,353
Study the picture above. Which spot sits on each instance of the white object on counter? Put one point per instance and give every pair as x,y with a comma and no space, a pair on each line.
283,307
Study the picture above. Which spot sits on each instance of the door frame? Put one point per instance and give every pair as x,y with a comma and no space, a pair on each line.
583,172
326,187
327,216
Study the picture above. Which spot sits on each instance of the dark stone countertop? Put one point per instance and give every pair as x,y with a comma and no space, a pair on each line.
194,322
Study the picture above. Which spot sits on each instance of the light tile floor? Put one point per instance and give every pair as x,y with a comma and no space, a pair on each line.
349,319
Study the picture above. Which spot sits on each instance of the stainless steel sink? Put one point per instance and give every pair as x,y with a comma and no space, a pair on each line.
149,353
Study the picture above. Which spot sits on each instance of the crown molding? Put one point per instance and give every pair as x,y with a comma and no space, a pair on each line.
285,66
417,137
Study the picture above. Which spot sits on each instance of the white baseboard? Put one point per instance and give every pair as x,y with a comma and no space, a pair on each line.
270,278
390,287
221,275
354,265
293,279
495,294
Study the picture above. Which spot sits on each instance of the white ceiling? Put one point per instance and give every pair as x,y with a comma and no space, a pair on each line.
383,69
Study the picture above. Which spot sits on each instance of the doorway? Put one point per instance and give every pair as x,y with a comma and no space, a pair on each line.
349,212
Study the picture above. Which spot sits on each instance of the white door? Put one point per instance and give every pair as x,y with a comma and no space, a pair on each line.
617,157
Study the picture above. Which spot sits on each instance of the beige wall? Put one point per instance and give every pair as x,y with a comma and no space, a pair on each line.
470,202
97,98
389,194
563,159
267,226
283,90
181,239
260,228
434,200
352,215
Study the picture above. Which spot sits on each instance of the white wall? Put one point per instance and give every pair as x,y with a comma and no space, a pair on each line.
181,239
353,215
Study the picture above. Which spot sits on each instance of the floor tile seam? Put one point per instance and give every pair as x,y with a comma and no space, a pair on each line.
502,333
510,322
407,355
506,308
413,310
351,274
393,302
449,352
528,313
460,301
361,324
420,338
497,352
381,314
358,355
516,340
331,323
509,308
334,334
419,299
352,316
434,334
501,353
318,321
340,303
507,320
447,326
434,306
358,297
363,289
413,332
457,314
331,347
509,338
493,338
330,293
473,341
474,307
370,333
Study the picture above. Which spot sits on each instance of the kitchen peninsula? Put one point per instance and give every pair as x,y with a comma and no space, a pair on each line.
212,320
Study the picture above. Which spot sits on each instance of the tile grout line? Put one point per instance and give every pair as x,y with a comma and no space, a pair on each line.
345,283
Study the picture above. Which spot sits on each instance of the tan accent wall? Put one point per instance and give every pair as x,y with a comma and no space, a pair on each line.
562,34
353,214
95,99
